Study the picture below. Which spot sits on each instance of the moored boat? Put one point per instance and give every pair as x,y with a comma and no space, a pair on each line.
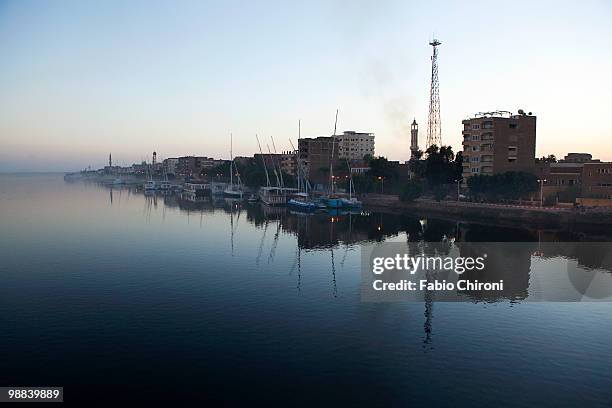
272,196
300,201
332,202
150,185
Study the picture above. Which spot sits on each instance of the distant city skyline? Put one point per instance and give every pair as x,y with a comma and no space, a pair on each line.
80,80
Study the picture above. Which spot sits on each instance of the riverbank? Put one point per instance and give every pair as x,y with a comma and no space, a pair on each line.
546,217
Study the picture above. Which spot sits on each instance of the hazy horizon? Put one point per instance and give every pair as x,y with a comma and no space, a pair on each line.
80,80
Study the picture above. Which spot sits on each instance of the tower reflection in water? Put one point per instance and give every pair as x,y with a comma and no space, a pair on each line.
338,233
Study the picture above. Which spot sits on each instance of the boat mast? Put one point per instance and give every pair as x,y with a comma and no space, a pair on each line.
273,166
231,160
331,159
297,159
300,173
348,165
263,159
280,170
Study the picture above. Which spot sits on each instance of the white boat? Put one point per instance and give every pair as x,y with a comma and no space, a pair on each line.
233,190
150,185
118,181
165,185
351,202
194,191
217,188
272,196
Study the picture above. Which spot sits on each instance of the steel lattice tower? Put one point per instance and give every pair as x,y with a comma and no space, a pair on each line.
434,126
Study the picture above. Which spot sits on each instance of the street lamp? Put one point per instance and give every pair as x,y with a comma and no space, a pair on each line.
541,181
459,180
382,184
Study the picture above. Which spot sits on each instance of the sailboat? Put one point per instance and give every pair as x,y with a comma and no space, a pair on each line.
150,185
233,190
332,200
271,196
351,202
301,200
165,185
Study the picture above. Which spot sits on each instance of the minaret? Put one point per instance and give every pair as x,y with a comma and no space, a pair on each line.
110,160
154,158
414,139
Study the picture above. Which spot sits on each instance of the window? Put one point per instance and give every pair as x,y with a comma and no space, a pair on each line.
475,137
512,152
474,148
475,170
475,126
475,159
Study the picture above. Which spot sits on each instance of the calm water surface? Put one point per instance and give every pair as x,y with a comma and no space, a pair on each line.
150,298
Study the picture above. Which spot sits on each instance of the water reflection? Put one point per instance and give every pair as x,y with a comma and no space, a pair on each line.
123,280
326,231
338,233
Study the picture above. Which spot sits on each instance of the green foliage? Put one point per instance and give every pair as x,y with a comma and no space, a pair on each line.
551,158
381,167
510,185
441,166
251,171
440,191
411,191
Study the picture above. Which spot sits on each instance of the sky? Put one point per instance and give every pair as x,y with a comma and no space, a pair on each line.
82,79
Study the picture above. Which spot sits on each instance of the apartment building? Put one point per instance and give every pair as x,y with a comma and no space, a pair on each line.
287,161
316,155
587,177
354,145
170,165
497,142
193,165
597,180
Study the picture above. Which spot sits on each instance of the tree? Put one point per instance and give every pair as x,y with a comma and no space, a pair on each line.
411,191
381,167
439,166
551,158
440,191
509,185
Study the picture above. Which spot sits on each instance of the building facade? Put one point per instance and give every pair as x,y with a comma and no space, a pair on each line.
354,145
287,161
597,180
497,142
192,166
576,175
316,156
170,165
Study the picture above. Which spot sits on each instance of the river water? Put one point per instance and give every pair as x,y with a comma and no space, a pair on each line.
118,296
